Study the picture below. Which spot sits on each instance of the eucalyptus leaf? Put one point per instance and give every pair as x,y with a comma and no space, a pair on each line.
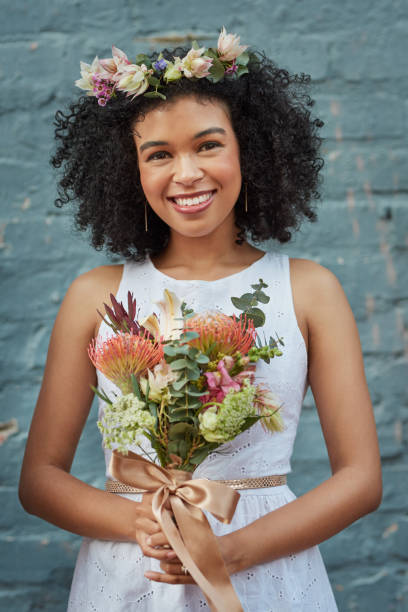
202,358
189,335
173,447
177,393
183,448
179,384
257,316
262,297
179,364
194,393
180,430
170,350
238,303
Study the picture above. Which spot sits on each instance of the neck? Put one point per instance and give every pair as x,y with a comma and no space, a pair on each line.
205,257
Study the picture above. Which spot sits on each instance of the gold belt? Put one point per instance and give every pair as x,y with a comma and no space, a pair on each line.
114,486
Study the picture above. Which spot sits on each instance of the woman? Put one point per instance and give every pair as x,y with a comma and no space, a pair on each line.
175,181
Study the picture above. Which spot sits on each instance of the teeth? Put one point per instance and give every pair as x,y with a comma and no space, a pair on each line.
193,201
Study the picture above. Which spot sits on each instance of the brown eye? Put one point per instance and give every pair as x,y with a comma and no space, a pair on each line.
207,146
158,155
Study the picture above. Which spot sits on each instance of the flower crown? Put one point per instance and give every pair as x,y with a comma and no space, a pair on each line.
104,77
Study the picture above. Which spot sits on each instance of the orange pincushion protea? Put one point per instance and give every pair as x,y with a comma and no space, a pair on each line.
222,333
125,354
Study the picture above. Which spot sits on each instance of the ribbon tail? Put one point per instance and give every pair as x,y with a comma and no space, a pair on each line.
203,558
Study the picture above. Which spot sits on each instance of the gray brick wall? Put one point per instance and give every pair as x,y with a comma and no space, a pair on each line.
355,50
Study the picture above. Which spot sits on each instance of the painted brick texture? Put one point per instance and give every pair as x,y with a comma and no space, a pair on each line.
355,52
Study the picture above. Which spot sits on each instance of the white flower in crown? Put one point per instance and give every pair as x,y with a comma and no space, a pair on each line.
132,79
88,73
228,46
196,64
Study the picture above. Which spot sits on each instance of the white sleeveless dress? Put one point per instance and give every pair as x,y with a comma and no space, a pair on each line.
109,576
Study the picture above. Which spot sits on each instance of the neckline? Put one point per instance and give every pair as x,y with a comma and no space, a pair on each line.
206,282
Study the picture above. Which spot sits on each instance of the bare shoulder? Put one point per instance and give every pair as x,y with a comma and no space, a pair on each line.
89,290
317,294
307,272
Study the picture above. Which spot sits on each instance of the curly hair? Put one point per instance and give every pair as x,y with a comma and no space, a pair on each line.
279,154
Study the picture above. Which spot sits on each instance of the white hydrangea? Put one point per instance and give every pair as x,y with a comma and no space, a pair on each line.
124,423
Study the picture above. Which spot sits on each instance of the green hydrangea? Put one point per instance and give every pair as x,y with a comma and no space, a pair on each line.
124,423
223,421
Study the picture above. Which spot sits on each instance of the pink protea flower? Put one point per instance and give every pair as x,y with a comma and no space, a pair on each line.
196,64
228,46
114,64
123,355
221,334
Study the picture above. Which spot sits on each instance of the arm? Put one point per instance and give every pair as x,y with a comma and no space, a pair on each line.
47,489
337,380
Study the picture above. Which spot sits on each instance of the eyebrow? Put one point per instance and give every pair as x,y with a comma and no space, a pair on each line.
159,143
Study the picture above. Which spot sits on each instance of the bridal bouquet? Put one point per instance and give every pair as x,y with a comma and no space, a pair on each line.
187,379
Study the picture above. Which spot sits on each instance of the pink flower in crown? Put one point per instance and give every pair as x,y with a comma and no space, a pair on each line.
195,64
89,73
114,64
228,46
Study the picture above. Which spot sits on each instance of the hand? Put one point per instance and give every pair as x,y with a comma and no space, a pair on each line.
173,572
148,533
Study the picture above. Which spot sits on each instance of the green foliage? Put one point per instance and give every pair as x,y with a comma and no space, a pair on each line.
154,94
217,71
248,303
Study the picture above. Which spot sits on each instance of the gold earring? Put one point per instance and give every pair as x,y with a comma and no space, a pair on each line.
145,205
246,199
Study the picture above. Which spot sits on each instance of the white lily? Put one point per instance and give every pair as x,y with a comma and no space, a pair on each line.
159,381
167,324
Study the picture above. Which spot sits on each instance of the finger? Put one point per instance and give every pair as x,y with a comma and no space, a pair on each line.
157,553
169,578
172,561
159,539
148,526
169,567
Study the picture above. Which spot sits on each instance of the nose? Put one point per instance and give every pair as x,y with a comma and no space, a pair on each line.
186,170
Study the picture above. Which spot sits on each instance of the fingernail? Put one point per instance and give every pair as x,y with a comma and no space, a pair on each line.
171,555
148,574
149,541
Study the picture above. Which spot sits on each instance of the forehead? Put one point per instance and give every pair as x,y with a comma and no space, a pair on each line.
188,115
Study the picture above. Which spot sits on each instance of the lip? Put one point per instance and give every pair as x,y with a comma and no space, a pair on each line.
190,210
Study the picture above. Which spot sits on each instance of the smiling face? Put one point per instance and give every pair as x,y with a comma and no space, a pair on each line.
189,165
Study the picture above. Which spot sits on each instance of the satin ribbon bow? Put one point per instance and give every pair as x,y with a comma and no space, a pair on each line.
192,538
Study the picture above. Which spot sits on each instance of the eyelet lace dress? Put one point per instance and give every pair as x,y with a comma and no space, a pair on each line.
109,576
